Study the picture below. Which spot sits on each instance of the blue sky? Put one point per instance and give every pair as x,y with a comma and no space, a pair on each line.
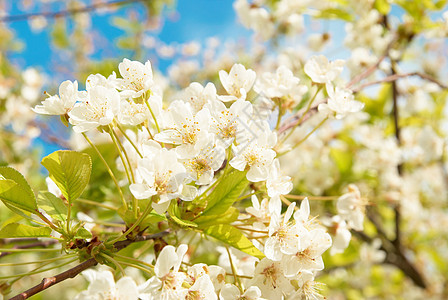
190,21
193,21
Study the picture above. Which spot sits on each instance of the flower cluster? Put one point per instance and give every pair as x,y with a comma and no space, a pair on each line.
177,154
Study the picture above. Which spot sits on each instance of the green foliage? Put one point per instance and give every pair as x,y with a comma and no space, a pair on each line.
99,188
233,237
16,230
382,6
70,170
376,107
334,13
227,217
59,34
226,193
52,205
6,185
18,195
83,233
175,214
343,160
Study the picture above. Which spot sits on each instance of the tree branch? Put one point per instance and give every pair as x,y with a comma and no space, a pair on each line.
50,281
64,13
395,77
295,119
73,272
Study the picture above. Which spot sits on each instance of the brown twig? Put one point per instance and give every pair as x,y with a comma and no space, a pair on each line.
395,77
73,272
50,281
295,119
68,12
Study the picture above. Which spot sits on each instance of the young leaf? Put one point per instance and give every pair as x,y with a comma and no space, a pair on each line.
83,233
183,223
233,237
226,193
70,170
6,185
18,195
174,214
16,230
226,218
52,205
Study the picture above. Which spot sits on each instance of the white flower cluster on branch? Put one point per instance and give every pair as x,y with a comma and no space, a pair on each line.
181,151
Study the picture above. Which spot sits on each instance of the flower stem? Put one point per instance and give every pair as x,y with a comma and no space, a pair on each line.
113,261
235,276
137,267
39,271
137,222
130,141
305,138
37,261
119,150
86,201
304,113
108,170
134,260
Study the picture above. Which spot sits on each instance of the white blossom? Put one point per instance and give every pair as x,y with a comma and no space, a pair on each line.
276,183
137,77
198,96
309,257
168,280
159,173
102,286
284,236
186,129
320,70
99,109
207,158
237,82
269,278
340,103
308,288
351,207
281,84
228,123
62,103
231,292
254,151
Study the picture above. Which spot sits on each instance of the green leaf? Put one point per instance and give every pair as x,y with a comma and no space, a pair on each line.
226,218
18,195
83,233
16,230
233,237
175,215
382,6
226,193
183,223
343,159
59,34
6,185
70,170
52,205
152,218
335,13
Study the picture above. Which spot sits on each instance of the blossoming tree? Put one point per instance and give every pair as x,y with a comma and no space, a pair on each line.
283,174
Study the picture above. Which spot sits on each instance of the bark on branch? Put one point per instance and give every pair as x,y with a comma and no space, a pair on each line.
73,272
68,12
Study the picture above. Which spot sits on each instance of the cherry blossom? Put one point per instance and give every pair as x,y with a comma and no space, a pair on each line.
238,82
